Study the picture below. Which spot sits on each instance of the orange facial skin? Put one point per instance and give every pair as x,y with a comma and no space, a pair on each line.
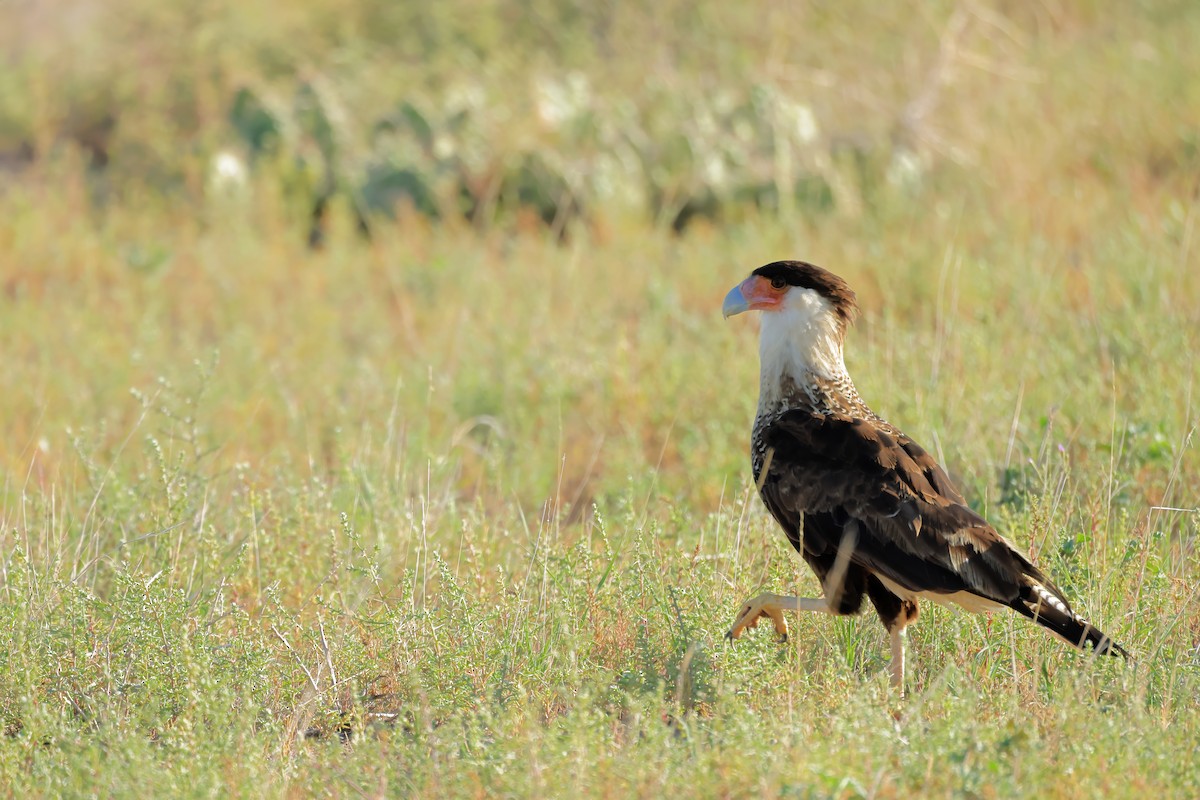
756,293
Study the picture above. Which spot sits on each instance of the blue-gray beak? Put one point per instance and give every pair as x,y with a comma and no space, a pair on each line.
735,302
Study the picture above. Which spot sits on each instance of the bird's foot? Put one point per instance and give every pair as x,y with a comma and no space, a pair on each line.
764,605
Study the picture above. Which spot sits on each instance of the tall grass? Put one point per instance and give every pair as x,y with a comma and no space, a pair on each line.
463,508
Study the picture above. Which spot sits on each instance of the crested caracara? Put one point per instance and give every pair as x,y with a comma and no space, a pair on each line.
869,510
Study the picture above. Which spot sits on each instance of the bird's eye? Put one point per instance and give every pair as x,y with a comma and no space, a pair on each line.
778,283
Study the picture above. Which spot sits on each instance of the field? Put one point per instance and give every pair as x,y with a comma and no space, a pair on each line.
371,427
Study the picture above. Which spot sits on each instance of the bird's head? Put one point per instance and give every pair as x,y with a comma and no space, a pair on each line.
806,310
793,288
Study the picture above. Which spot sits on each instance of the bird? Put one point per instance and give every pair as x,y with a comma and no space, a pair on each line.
869,510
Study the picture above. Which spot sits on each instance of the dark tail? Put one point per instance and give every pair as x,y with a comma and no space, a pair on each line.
1043,603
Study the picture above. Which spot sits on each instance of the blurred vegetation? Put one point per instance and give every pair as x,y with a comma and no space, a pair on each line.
371,427
563,114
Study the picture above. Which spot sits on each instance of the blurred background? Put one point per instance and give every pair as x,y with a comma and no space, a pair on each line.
495,234
563,115
474,217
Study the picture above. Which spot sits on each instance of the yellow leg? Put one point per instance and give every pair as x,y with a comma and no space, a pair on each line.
899,636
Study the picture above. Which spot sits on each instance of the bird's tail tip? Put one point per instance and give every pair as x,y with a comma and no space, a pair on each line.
1048,609
1102,643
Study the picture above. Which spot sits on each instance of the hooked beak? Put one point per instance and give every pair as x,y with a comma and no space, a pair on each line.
735,302
753,294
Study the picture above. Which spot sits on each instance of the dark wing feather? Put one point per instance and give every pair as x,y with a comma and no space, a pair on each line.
914,526
911,524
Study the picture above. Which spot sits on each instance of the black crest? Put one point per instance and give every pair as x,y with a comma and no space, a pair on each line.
820,280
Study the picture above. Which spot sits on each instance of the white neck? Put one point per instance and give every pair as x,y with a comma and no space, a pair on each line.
800,340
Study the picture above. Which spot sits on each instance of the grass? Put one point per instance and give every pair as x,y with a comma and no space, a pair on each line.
464,511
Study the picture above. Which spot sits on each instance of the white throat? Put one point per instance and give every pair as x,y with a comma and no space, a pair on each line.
800,340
